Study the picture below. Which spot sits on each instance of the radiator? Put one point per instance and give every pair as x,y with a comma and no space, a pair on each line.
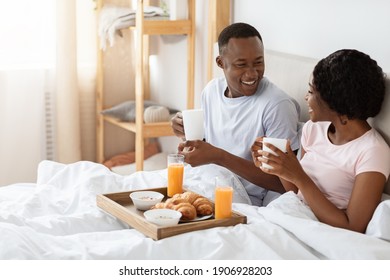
49,126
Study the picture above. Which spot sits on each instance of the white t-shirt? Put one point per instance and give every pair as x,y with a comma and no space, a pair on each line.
233,124
333,168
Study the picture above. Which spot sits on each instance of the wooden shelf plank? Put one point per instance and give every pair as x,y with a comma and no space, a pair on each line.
166,27
130,126
150,130
157,129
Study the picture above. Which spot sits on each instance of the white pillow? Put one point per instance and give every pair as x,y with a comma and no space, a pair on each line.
125,111
379,226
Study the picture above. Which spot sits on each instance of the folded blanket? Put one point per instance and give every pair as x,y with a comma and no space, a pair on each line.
150,149
114,18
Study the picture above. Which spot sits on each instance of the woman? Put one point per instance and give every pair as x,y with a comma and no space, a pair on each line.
344,161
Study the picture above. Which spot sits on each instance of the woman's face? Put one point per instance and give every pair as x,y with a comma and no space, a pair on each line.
242,61
318,108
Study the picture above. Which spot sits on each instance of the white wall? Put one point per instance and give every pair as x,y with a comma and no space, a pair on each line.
312,28
316,28
169,69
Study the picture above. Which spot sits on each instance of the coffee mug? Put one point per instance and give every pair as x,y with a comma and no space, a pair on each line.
193,124
278,143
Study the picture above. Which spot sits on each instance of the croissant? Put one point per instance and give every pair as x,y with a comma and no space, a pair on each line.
189,196
187,210
202,205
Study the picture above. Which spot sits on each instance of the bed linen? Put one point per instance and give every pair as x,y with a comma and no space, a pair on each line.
57,218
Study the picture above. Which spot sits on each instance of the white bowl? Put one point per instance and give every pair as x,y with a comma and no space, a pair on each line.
144,200
163,217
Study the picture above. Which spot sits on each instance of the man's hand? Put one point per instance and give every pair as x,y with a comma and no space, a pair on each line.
198,152
178,126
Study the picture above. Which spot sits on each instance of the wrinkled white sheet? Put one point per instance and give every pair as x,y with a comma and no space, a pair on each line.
57,218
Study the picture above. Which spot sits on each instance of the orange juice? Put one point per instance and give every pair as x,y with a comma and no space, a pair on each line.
223,202
175,179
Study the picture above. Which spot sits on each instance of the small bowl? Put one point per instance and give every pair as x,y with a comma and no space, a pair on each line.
144,200
163,217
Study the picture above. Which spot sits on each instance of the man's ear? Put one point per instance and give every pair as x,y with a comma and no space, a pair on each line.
219,62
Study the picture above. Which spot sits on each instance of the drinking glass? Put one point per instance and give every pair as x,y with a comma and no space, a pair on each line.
223,197
175,174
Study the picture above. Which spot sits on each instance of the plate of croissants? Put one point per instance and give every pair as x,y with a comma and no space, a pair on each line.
192,206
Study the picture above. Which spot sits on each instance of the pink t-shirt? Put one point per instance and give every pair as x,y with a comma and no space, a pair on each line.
334,167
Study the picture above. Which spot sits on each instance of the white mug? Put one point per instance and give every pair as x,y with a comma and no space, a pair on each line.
193,124
278,143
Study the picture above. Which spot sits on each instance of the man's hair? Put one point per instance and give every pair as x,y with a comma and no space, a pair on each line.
236,30
351,83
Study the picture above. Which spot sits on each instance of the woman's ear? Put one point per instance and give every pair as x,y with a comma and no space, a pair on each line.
218,60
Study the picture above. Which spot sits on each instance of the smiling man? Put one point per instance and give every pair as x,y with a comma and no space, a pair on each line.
238,108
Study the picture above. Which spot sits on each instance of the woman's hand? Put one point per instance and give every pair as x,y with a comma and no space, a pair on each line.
285,165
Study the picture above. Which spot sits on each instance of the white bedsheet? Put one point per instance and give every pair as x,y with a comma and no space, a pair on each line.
57,218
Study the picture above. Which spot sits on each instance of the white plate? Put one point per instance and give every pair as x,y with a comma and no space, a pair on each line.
201,218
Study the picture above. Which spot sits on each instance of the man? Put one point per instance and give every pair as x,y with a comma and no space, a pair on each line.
238,108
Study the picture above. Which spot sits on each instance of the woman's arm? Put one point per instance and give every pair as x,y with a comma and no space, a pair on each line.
288,186
365,197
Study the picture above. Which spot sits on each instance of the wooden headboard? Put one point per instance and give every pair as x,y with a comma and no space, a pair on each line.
292,74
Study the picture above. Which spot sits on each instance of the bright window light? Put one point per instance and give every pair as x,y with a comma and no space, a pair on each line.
27,32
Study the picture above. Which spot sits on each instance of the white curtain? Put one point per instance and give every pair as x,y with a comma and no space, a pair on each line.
47,81
68,113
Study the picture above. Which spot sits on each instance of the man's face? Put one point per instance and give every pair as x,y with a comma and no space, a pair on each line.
242,61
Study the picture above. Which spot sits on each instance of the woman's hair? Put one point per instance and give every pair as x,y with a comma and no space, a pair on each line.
351,83
236,30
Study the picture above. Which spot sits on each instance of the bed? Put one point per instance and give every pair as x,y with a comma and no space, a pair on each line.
58,218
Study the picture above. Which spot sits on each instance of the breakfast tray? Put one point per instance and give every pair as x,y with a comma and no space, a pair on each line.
121,206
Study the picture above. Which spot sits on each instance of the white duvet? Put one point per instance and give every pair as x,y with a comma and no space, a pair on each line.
57,218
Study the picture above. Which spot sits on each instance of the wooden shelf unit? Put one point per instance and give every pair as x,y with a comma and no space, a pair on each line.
219,17
144,28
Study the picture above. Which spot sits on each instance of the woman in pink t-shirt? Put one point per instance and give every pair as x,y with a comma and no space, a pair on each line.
345,163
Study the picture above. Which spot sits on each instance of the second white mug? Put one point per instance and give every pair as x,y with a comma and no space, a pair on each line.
278,143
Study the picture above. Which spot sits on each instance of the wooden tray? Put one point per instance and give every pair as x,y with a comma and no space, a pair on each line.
121,206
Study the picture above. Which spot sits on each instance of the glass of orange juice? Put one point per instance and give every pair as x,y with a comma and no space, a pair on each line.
175,174
223,198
